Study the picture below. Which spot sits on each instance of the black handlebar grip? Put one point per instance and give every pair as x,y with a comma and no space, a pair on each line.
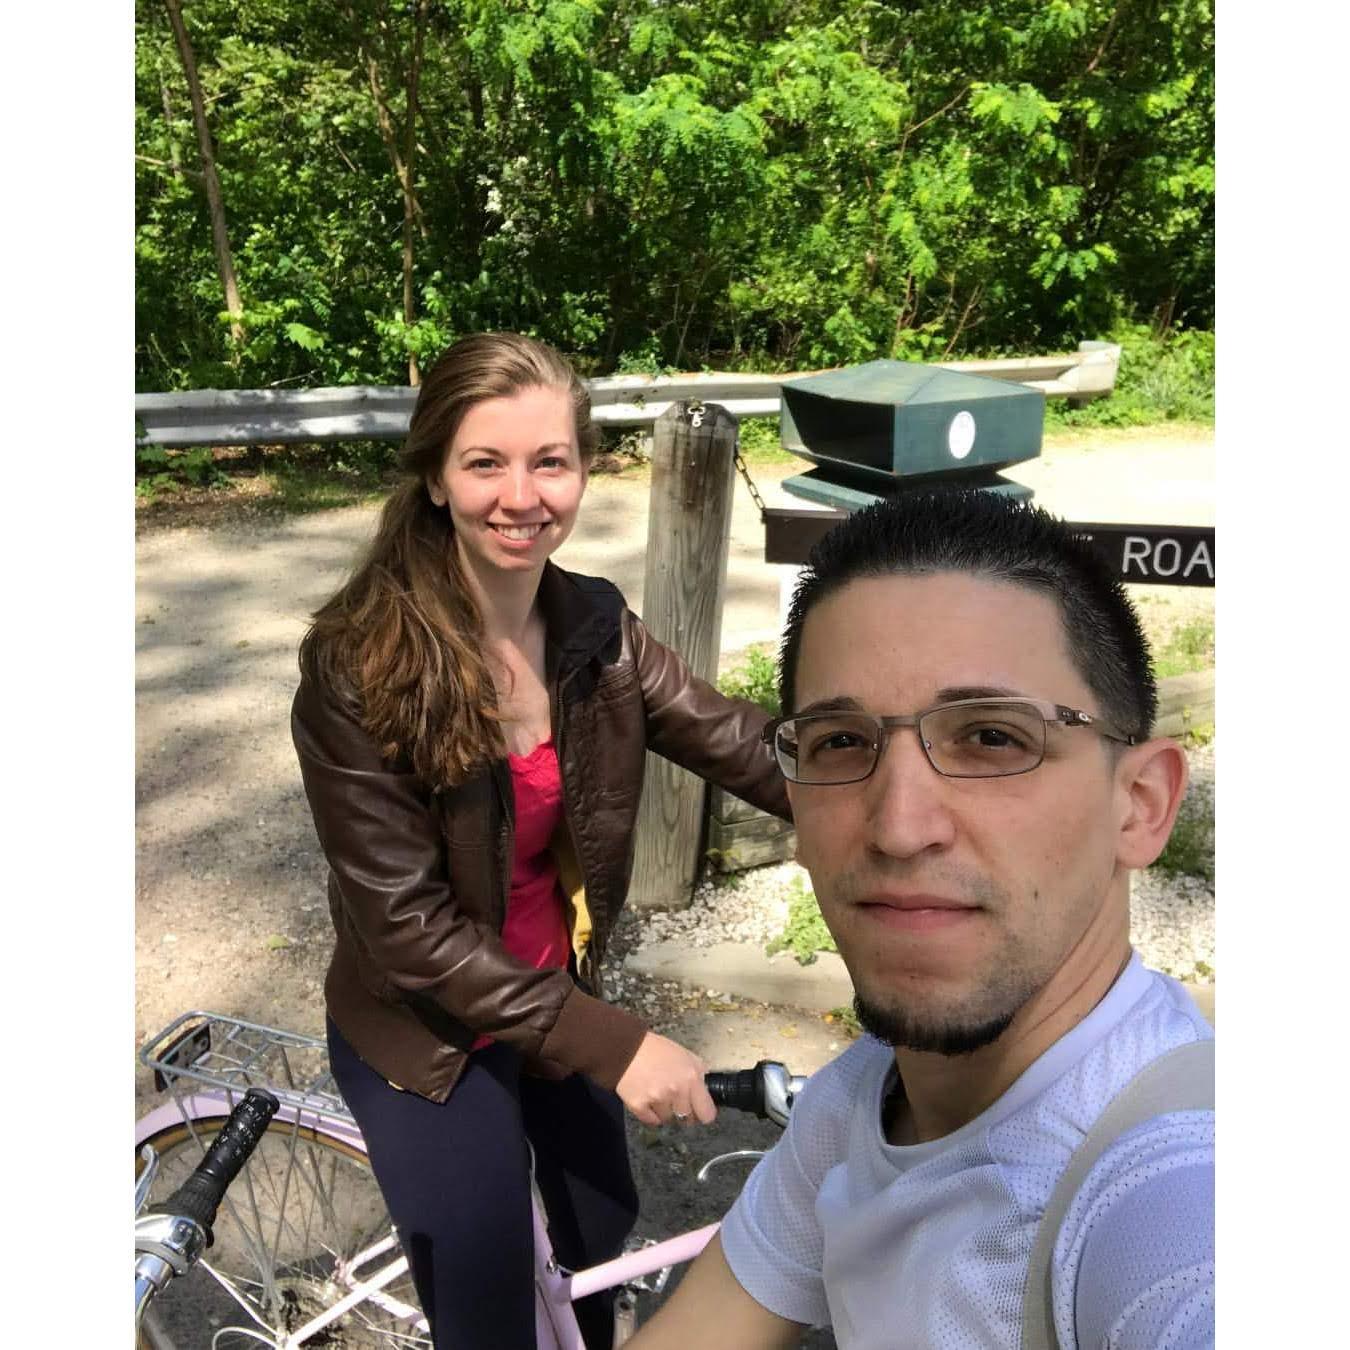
200,1195
742,1090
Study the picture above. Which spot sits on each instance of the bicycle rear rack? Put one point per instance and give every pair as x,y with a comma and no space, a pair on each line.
214,1050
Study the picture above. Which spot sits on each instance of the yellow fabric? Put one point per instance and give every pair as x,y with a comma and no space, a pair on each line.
573,888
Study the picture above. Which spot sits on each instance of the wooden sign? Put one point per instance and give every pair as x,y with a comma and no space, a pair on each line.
1159,555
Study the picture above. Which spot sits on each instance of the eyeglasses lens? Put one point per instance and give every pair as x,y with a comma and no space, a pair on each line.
987,739
984,740
827,747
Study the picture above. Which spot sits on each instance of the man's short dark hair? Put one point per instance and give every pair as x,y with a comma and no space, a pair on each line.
990,535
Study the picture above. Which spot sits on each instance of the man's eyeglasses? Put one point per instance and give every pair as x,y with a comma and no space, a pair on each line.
970,738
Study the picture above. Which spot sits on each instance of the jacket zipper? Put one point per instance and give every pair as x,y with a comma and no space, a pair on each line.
506,843
587,961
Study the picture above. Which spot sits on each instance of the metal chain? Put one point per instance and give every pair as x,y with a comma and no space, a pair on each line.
749,482
696,410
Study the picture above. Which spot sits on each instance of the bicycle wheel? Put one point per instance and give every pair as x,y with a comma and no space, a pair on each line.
304,1211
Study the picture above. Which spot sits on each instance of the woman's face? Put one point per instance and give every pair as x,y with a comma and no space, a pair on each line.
513,479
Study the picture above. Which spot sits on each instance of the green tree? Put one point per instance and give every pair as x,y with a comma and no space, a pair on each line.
770,183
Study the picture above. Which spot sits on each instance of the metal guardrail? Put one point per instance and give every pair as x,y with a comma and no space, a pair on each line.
381,412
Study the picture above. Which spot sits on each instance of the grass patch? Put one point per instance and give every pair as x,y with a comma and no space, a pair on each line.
805,934
282,480
299,486
1189,647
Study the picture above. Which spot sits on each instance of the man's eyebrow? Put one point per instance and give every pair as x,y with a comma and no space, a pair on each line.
956,692
841,704
951,694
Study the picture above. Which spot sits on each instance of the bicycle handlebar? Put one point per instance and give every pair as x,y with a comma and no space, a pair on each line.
200,1195
767,1091
171,1236
740,1089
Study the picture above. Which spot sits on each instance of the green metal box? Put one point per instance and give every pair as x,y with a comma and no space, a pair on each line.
887,420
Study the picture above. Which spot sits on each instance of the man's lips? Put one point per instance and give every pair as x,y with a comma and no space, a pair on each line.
916,913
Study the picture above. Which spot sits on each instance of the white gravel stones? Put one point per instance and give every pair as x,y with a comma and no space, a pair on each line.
749,906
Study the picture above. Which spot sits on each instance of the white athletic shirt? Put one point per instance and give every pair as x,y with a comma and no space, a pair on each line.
927,1245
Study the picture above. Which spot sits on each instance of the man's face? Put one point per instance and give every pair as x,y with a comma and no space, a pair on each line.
954,900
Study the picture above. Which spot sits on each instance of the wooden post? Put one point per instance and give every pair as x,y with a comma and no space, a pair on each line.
688,535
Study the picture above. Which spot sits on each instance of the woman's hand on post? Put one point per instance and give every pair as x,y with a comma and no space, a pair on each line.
664,1084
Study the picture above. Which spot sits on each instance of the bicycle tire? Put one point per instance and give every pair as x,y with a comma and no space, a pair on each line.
305,1203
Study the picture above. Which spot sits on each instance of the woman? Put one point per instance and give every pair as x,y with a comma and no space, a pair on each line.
471,724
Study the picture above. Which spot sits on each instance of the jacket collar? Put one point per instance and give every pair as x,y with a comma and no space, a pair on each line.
581,614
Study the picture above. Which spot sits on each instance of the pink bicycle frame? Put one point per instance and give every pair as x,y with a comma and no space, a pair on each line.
555,1289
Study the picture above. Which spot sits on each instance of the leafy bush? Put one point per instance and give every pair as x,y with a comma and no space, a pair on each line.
756,679
805,934
163,471
761,443
1160,380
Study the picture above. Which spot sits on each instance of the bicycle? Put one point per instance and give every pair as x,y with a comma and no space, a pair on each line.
304,1248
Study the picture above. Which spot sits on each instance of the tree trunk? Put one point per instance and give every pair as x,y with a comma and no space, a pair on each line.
409,202
219,234
401,160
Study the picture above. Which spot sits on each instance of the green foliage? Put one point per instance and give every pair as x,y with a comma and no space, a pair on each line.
1189,647
769,185
761,443
755,679
160,471
805,933
1161,379
322,477
1190,849
1195,738
642,360
847,1019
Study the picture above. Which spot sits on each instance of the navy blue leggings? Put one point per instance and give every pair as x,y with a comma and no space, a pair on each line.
455,1176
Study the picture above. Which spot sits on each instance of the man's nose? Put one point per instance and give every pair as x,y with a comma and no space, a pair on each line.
908,809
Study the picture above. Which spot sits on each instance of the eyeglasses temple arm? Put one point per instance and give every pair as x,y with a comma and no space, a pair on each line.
1073,717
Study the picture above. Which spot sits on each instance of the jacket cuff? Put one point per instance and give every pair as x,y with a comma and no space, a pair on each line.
594,1037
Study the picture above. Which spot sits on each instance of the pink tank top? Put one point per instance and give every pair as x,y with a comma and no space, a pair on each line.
535,930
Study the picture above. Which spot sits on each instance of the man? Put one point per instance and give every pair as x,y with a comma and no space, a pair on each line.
967,746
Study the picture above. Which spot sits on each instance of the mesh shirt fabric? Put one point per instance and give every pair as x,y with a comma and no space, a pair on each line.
928,1245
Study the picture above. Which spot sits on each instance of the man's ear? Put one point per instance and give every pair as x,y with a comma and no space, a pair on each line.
1151,781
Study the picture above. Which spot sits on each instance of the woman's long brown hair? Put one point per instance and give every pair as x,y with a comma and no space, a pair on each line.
403,637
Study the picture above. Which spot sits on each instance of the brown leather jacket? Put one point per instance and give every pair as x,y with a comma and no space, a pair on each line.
418,880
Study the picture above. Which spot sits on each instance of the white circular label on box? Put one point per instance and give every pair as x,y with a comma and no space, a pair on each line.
961,435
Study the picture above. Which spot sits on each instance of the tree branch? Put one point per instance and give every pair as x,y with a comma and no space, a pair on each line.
946,107
176,170
1106,38
219,233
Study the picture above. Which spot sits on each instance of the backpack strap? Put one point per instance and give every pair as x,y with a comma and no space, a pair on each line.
1181,1080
